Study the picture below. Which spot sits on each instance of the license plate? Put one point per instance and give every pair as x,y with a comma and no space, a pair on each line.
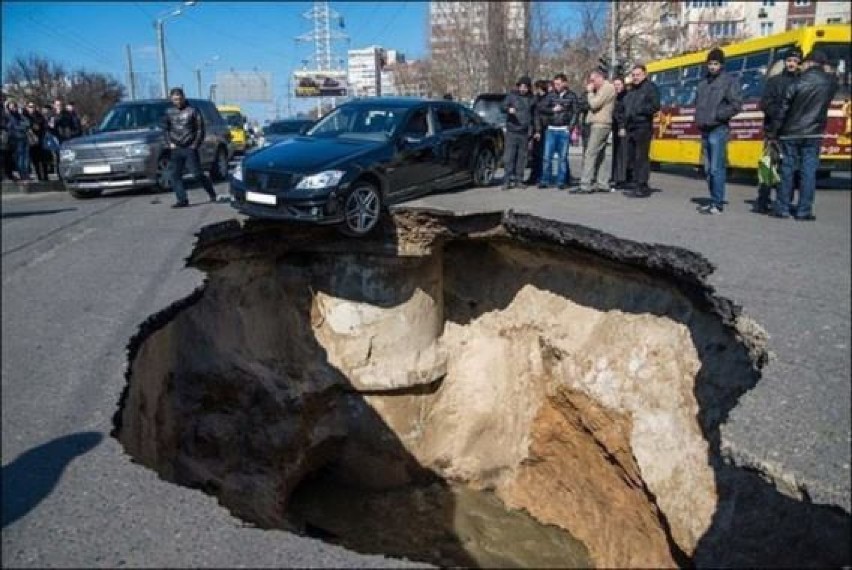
261,198
96,169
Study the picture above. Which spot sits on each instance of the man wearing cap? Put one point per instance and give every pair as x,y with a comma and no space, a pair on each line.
718,99
804,110
770,104
519,123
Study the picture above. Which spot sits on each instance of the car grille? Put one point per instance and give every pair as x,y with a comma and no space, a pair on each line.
258,180
100,153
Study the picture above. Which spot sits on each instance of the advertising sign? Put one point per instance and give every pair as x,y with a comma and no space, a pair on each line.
244,86
320,83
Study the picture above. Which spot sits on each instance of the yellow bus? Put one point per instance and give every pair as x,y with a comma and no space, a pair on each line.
678,141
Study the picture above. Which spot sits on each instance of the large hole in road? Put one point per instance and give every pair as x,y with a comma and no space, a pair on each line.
492,391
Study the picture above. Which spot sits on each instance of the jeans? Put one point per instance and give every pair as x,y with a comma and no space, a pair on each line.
594,156
555,140
515,157
714,146
802,155
22,158
187,158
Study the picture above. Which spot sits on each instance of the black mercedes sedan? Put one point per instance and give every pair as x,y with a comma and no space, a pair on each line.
363,156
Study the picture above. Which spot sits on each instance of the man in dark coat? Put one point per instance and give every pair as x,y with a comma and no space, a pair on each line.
718,99
539,126
804,112
640,106
519,109
770,104
184,132
619,159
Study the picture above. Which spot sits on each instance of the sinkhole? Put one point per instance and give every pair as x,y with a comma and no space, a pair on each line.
483,391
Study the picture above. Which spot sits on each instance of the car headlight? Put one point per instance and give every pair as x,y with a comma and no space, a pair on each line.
237,173
324,179
138,149
67,154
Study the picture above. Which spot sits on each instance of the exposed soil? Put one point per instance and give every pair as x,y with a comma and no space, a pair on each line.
479,391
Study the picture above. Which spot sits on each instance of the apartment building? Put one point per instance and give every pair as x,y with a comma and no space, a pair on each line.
474,45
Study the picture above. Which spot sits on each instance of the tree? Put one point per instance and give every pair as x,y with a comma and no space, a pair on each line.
38,79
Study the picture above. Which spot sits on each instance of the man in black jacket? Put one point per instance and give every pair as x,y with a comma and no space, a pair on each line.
718,99
618,175
640,106
804,111
770,104
560,112
536,142
518,106
184,132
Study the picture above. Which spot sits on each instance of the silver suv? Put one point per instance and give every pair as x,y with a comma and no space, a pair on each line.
127,150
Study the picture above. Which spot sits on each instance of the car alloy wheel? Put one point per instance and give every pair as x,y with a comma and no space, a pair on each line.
164,174
362,209
483,172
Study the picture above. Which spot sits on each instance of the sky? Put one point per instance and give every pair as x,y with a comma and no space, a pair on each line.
215,36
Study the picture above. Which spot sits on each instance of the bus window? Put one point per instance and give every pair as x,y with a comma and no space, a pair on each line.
692,72
734,65
687,93
839,60
754,75
757,60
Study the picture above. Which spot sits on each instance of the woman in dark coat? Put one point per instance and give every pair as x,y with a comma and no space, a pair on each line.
38,124
17,126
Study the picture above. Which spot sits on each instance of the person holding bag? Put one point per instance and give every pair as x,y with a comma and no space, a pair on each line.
17,126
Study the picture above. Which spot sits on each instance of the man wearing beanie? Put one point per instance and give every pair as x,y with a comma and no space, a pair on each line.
719,98
519,122
770,104
803,116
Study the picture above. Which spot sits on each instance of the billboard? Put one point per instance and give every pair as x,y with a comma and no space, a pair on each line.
320,83
244,86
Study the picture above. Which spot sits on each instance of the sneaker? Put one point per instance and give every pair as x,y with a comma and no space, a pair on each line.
214,197
505,186
561,187
711,210
543,184
808,218
182,204
780,216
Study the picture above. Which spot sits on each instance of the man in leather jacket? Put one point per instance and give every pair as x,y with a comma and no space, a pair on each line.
559,109
640,106
718,99
770,104
804,111
519,108
184,132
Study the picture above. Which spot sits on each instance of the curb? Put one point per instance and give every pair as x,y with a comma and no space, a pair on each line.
16,187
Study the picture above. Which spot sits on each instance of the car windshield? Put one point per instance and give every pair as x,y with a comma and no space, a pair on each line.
284,128
136,116
359,122
489,109
233,119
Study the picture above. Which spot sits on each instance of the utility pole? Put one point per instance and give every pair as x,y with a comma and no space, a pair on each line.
161,44
131,80
612,40
321,15
198,81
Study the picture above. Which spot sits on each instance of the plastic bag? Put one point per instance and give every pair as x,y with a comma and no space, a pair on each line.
767,166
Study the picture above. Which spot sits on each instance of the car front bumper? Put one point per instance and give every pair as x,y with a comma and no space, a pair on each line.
130,173
325,207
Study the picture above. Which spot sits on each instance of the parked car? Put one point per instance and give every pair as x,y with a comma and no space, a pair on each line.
365,155
233,115
277,131
128,149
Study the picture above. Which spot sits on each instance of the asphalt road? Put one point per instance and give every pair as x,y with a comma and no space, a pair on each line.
79,277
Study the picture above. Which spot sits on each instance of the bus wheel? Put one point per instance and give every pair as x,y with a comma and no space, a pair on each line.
823,174
656,166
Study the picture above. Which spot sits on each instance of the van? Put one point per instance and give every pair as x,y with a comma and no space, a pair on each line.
233,115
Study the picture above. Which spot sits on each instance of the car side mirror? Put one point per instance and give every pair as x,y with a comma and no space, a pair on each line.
304,129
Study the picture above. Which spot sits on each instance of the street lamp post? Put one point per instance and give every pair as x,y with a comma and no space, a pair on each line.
210,61
161,45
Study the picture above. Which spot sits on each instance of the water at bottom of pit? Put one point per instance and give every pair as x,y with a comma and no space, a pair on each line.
442,523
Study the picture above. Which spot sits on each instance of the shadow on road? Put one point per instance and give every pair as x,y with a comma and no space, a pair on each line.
6,215
32,475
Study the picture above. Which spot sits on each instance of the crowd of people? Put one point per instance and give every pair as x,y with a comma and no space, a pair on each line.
545,117
31,137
